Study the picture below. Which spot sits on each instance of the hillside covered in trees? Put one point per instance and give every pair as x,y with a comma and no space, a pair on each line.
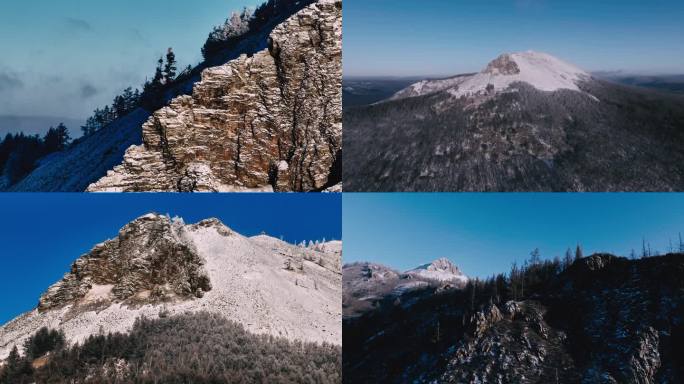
190,348
600,318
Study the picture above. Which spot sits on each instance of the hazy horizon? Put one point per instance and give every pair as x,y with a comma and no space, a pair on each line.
436,38
69,57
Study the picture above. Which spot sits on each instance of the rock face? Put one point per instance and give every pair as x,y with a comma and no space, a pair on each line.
267,122
158,266
150,260
518,347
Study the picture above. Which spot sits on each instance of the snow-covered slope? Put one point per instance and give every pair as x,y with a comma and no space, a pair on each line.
540,70
441,270
249,284
75,168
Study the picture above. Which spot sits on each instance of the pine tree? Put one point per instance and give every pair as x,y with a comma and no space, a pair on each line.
535,257
159,73
578,253
644,252
119,106
170,67
568,257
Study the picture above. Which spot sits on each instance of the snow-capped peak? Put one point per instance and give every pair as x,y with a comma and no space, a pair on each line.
540,70
441,269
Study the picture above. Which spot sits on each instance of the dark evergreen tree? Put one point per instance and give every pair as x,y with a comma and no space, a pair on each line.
170,67
44,341
568,258
119,106
578,252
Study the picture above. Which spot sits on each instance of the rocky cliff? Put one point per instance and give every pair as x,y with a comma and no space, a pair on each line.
161,266
150,260
271,121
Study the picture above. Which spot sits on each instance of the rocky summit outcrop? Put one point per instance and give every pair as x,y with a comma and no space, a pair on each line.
271,121
150,260
161,267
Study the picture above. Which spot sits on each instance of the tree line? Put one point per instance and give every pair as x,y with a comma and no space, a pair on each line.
189,348
19,152
228,34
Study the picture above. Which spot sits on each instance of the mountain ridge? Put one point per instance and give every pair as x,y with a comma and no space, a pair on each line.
158,264
601,318
461,134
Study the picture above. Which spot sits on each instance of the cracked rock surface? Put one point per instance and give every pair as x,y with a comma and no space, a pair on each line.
150,260
269,122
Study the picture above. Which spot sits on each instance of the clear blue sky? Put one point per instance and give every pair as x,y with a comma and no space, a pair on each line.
443,37
42,234
484,233
65,58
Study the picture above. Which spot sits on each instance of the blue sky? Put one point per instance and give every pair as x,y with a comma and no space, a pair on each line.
484,233
446,37
42,234
65,58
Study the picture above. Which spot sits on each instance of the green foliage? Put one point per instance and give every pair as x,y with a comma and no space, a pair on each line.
44,341
191,348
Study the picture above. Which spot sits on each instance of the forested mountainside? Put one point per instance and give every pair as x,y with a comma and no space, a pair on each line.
197,348
597,319
527,122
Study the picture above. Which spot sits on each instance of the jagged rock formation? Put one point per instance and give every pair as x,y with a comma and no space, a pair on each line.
603,319
271,121
516,345
150,260
161,266
527,122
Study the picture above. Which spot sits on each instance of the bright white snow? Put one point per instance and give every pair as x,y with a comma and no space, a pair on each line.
440,270
540,70
249,285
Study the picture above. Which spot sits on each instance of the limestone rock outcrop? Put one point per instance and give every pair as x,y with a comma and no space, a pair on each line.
150,260
271,121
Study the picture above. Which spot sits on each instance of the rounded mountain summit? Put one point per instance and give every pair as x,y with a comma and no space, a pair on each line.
527,122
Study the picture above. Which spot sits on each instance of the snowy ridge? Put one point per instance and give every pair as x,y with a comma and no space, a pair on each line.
441,270
249,285
540,70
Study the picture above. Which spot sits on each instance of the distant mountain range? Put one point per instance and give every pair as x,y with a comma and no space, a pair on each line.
366,284
527,122
31,125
